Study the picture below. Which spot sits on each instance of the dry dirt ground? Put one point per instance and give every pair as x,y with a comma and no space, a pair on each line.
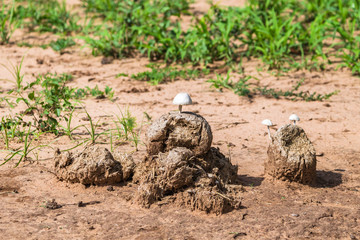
270,210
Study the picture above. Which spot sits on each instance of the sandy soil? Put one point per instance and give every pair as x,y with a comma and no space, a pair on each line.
271,210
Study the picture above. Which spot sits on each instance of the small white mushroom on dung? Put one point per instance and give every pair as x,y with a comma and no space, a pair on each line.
267,123
182,99
294,118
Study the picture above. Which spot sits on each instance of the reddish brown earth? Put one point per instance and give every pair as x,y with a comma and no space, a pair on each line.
271,210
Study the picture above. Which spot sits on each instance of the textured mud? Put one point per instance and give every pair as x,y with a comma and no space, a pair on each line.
181,164
291,156
198,183
92,165
185,129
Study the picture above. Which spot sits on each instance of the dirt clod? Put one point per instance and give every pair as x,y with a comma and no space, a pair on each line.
208,198
107,60
175,129
52,204
92,165
127,163
291,156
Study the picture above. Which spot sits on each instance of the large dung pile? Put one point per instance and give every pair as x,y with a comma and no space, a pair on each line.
181,163
93,165
291,156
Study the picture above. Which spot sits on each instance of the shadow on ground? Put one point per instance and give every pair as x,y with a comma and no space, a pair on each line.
328,179
247,180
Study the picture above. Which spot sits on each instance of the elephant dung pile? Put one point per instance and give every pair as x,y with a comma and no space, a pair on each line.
182,164
291,156
93,165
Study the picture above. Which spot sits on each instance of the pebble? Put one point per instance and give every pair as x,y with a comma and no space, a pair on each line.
294,215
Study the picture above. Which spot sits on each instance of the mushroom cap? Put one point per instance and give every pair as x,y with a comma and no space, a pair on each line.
182,99
294,117
267,122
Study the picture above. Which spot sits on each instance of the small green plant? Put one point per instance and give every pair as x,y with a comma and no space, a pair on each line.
221,82
61,44
108,92
47,16
15,71
46,104
127,122
111,141
68,130
125,128
92,130
135,138
7,22
294,94
4,132
25,150
350,53
167,74
240,88
11,128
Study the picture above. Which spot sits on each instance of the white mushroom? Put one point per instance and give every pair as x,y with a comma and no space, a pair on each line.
294,118
182,99
267,123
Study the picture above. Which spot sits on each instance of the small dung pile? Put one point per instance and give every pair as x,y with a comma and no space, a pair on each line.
182,164
93,165
175,129
291,156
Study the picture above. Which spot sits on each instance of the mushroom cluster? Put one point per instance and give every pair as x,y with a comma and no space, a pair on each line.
291,155
293,117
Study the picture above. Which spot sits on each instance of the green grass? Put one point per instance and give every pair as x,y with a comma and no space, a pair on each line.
46,16
61,44
242,88
8,23
275,31
284,34
67,129
4,131
25,150
92,129
294,94
81,93
159,75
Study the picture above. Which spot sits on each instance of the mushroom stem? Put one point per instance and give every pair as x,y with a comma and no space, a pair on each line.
294,122
269,132
180,108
